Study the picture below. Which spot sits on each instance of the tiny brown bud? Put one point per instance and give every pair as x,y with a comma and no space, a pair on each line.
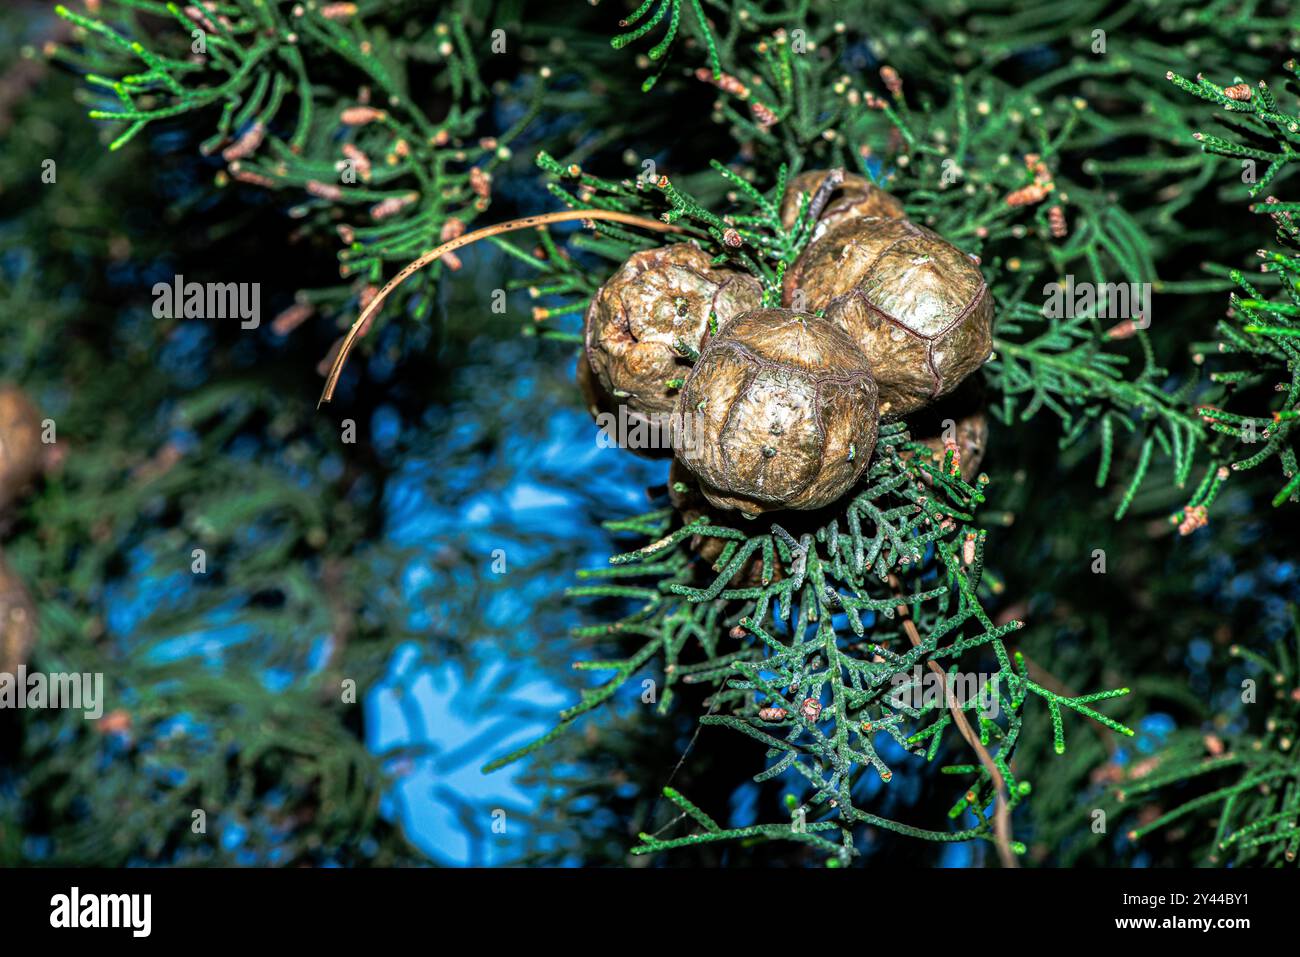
246,145
1028,195
1056,221
358,159
1125,329
324,190
893,82
361,115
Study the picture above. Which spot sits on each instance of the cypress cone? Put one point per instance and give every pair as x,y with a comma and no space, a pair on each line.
647,322
917,306
783,413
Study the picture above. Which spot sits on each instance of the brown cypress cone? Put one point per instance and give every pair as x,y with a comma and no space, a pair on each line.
17,620
916,305
658,299
779,412
856,198
22,454
684,493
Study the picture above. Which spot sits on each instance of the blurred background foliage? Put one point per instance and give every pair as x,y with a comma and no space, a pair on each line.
374,561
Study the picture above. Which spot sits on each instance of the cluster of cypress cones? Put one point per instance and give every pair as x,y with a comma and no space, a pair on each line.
779,408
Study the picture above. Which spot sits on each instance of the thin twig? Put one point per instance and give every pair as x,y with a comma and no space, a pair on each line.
527,222
1002,809
832,181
